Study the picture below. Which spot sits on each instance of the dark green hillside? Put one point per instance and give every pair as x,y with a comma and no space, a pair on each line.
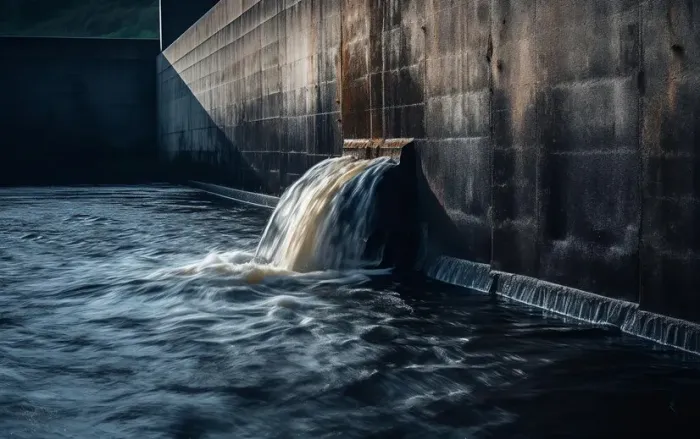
80,18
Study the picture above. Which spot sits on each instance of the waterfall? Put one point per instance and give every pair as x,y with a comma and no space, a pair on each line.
326,219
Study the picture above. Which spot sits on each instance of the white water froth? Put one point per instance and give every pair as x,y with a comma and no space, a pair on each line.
236,263
324,220
319,231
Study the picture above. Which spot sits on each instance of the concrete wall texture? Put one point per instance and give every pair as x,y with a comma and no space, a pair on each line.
76,110
553,139
250,93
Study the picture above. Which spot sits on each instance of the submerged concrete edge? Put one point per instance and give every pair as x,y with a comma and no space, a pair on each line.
252,198
568,302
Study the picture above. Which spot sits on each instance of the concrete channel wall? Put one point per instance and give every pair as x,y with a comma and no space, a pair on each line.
249,96
77,110
555,140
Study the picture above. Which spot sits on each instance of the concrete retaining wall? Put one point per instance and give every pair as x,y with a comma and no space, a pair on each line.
76,110
553,139
248,97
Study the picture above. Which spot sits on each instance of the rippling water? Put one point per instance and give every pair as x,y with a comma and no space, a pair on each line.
134,313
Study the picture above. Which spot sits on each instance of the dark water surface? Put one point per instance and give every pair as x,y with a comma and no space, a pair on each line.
104,334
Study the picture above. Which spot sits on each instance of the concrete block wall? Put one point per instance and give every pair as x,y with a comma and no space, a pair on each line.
516,138
454,158
566,143
383,69
670,152
249,96
593,114
589,162
77,110
553,139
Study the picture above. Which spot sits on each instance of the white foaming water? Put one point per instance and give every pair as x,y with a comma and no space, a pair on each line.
319,230
239,264
325,219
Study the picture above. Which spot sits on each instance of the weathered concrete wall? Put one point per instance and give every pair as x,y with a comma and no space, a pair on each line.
670,149
249,97
77,110
566,169
552,139
455,157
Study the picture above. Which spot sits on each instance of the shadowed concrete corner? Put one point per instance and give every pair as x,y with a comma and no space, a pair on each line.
192,144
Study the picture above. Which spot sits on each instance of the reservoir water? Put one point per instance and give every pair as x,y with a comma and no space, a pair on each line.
144,312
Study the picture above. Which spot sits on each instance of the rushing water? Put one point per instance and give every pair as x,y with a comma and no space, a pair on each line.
142,313
324,220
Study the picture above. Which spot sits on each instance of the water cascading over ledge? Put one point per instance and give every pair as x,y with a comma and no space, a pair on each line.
569,302
344,213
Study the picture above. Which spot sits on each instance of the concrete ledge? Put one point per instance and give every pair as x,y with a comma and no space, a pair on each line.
252,198
374,148
569,302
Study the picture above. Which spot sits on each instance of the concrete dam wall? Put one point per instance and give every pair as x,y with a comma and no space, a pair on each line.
77,110
554,140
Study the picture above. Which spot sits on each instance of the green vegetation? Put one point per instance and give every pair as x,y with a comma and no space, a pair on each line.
80,18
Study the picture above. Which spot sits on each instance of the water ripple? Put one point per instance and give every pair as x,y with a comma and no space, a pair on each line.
137,312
